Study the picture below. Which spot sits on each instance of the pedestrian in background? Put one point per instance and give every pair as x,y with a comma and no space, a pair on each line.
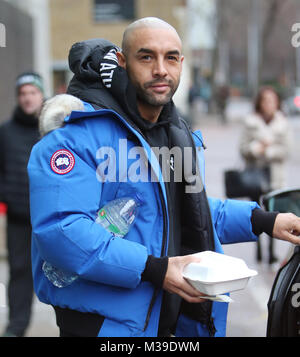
17,137
265,143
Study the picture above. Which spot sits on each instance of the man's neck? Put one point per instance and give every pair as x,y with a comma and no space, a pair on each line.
149,112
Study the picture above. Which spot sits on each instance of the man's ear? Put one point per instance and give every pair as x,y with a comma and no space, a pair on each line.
121,59
181,62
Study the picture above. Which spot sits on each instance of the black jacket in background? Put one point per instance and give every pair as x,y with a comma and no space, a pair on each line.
17,137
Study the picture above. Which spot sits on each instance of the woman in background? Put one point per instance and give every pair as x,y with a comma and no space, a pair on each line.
265,142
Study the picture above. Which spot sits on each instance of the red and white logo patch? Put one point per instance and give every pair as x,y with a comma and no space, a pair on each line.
62,162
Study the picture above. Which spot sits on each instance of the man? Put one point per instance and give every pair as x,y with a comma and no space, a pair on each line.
131,286
17,138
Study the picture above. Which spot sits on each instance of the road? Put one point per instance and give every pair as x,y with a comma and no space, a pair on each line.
248,313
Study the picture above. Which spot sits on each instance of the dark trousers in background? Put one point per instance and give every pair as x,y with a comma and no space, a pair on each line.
20,284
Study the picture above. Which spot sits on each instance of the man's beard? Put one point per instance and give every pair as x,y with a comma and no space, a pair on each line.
149,98
152,99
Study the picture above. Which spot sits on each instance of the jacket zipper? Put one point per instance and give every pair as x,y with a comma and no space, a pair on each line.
211,325
163,248
210,322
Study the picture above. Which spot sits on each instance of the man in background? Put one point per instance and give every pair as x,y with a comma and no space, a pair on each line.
17,137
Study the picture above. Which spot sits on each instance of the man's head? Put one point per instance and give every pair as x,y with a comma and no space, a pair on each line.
30,95
152,56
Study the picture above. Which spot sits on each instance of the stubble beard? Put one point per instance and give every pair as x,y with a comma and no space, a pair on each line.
144,93
145,96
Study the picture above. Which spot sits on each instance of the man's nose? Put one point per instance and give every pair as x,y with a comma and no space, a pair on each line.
160,69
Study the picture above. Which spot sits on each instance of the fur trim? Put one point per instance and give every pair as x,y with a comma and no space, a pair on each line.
55,110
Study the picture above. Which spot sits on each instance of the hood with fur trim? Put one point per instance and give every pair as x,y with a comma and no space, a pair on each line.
55,110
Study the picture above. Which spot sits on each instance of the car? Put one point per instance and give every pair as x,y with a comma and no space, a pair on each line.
284,300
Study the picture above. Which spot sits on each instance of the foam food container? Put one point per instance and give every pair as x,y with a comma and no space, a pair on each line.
217,273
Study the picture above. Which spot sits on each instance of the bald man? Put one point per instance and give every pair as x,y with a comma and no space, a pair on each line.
154,67
126,137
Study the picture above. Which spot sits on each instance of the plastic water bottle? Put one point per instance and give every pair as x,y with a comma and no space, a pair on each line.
116,217
58,277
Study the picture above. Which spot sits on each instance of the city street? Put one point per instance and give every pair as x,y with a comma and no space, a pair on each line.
248,313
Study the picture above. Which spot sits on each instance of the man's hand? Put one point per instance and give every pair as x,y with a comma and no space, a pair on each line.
287,227
175,283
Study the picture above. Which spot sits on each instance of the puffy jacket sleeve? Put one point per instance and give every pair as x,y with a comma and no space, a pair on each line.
63,211
232,220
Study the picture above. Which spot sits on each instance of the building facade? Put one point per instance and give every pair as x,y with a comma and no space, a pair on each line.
17,38
77,20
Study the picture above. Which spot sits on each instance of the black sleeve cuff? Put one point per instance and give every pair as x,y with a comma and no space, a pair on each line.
263,221
155,270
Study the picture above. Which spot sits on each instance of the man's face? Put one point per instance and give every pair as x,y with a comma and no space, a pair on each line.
30,99
154,64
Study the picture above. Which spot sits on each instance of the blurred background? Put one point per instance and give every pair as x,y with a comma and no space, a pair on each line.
231,49
236,44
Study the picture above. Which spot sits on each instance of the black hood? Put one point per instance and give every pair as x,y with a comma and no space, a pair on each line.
99,80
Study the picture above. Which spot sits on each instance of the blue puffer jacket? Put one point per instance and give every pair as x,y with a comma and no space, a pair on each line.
64,202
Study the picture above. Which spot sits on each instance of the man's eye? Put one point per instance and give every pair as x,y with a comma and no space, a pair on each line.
146,57
173,58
